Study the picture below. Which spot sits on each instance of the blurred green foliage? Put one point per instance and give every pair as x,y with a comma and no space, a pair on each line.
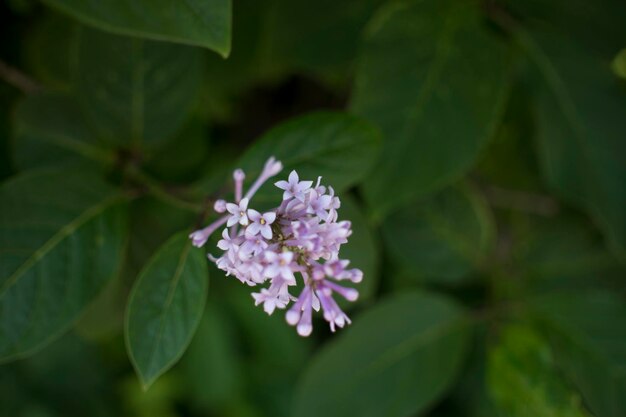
478,146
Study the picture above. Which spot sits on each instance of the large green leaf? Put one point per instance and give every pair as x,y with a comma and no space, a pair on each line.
204,23
581,117
524,381
136,91
165,307
434,79
62,234
339,147
441,239
397,359
50,130
586,329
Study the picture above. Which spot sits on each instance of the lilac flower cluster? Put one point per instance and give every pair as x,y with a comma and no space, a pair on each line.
300,237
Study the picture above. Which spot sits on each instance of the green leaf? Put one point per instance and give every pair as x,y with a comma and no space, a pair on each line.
136,92
524,381
62,235
339,147
563,253
183,157
434,79
587,332
316,36
581,117
597,24
442,239
50,130
509,163
165,307
204,23
397,359
619,64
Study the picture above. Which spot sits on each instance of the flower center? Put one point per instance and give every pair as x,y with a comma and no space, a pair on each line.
262,220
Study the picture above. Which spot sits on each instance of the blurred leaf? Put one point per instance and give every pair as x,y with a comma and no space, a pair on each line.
195,22
508,161
441,239
434,79
587,332
619,64
339,147
581,115
136,92
62,235
68,379
104,318
361,250
49,49
21,6
524,381
598,24
316,36
562,253
397,359
158,402
470,397
165,307
50,130
182,158
211,366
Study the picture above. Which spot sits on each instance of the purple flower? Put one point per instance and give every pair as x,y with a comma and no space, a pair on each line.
294,188
277,296
238,213
300,315
319,204
301,237
332,313
260,223
255,245
199,237
226,243
279,265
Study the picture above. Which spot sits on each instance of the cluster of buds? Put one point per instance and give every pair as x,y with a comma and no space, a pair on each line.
301,237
